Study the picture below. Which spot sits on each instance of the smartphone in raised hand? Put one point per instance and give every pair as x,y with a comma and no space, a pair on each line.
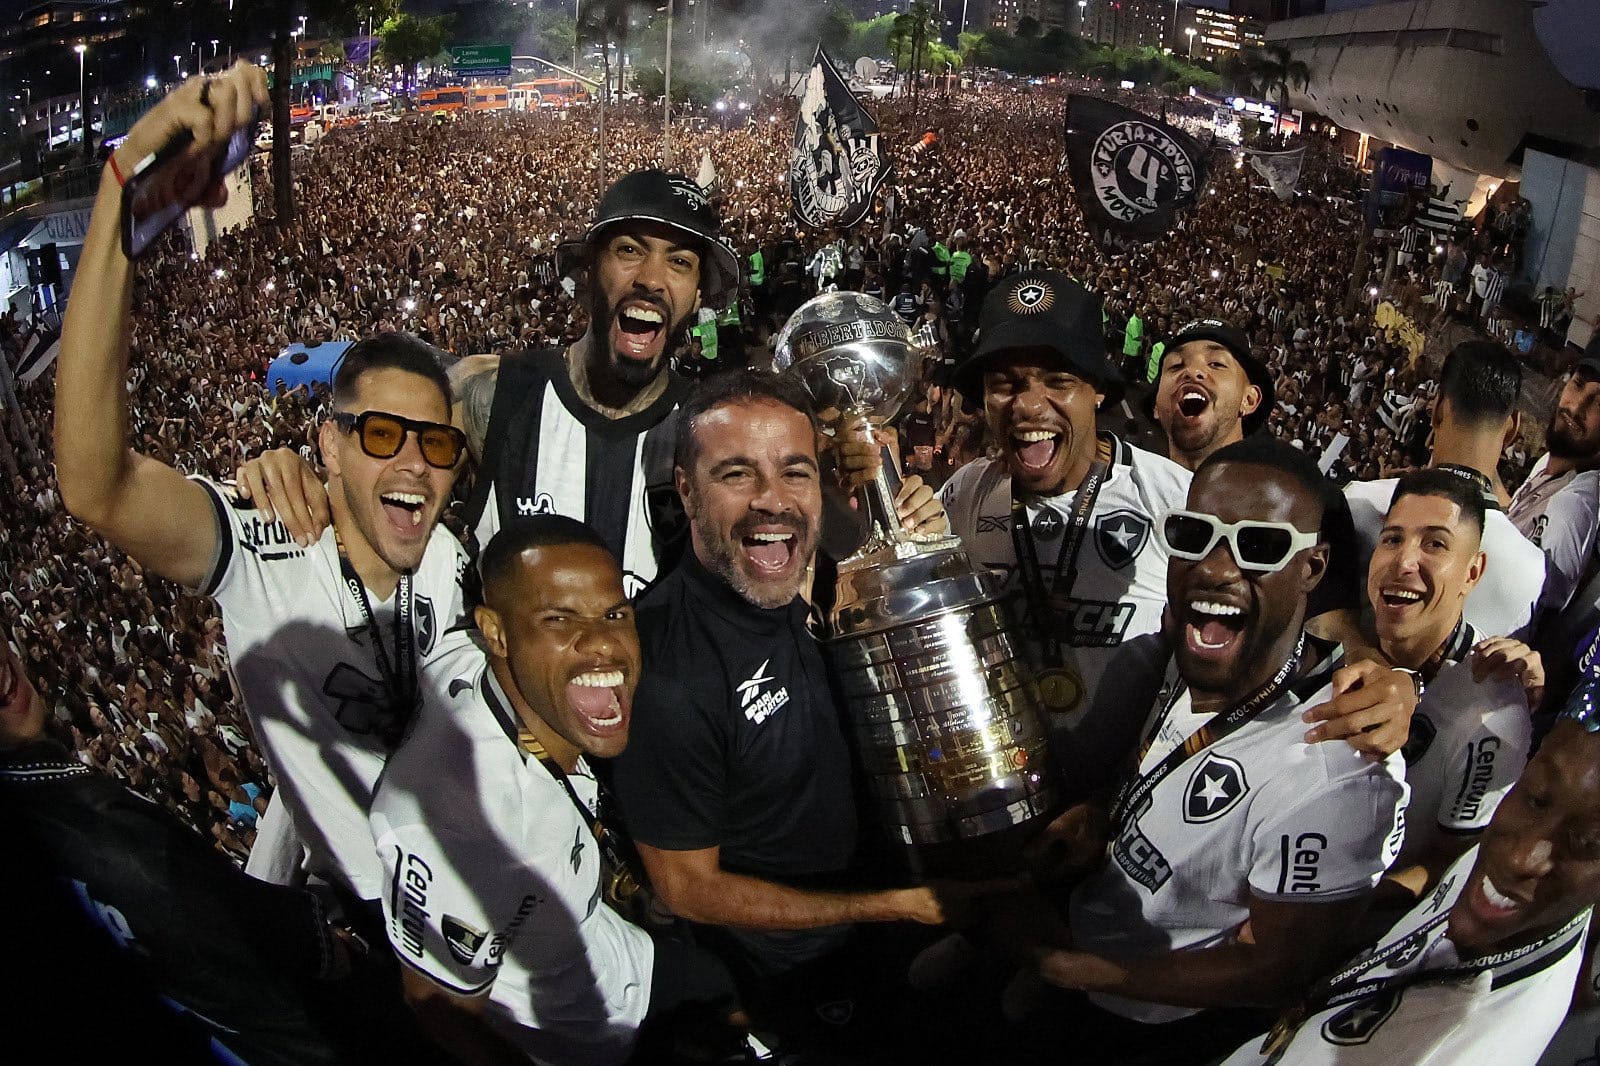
165,184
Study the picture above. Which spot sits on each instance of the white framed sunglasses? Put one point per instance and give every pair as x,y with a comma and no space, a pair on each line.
1260,547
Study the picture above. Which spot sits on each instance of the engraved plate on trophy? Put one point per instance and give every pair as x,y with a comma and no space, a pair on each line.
947,720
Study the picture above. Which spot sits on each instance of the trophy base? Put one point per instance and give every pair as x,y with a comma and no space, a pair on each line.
947,720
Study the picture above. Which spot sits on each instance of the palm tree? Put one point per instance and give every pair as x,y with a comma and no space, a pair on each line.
912,30
1275,72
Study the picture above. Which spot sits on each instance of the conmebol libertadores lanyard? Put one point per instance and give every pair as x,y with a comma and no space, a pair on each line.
400,672
1351,983
1219,725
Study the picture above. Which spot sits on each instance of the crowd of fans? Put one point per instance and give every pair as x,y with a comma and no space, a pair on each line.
452,230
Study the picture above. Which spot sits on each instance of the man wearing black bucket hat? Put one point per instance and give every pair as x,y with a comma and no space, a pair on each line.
1212,391
651,258
584,431
1066,512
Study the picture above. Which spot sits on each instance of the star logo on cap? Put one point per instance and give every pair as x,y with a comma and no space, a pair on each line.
1215,787
1031,297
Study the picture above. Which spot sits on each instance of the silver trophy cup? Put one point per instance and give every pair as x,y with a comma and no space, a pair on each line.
947,719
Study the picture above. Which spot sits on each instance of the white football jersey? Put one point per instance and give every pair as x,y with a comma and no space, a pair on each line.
1121,588
1503,1016
1469,743
1562,516
494,880
1258,814
303,661
1503,602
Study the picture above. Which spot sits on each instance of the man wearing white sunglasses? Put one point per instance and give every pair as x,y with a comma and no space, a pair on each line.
1239,855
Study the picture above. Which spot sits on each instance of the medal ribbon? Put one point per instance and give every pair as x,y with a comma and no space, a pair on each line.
1218,726
400,672
621,881
1347,985
1066,569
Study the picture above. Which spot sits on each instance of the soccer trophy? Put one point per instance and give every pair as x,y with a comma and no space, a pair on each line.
947,721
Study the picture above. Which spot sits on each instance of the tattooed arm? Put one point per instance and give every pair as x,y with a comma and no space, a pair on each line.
472,382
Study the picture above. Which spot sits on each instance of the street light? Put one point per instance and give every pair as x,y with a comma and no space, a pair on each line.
214,43
1083,16
1190,32
177,64
83,104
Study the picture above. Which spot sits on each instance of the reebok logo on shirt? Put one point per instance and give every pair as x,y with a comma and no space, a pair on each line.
759,705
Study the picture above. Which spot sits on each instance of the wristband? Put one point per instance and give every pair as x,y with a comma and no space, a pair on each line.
116,171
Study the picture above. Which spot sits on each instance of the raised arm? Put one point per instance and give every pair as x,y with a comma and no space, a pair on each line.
144,507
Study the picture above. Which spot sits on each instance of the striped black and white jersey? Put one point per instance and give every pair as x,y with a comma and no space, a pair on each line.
548,452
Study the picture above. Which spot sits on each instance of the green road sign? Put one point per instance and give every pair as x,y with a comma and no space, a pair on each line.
481,60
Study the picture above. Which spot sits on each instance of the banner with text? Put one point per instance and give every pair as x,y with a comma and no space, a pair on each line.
1131,173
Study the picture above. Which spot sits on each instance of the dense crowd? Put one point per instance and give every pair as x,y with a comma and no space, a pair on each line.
452,230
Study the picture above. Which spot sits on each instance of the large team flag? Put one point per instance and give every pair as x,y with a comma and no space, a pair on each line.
839,161
1131,173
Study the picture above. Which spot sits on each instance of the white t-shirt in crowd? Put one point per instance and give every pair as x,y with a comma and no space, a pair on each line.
1562,516
1469,743
494,880
1500,1017
1258,814
309,677
1503,602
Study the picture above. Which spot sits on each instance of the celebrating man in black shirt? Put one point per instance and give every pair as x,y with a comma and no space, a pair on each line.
735,788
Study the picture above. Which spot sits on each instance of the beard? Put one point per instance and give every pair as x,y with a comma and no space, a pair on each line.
610,374
724,561
1563,442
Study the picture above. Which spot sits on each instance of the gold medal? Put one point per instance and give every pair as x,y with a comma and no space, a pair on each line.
1060,690
622,886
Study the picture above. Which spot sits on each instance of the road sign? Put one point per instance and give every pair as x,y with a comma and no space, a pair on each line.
481,60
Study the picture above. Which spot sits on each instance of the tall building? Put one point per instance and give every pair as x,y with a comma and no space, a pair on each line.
1127,23
1272,10
1216,33
1007,14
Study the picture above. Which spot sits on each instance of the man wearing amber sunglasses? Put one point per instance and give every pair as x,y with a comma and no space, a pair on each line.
327,637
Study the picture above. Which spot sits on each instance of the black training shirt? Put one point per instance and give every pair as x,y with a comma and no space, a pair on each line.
737,743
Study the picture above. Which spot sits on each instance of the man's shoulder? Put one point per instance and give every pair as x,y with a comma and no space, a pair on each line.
1159,480
1374,494
984,472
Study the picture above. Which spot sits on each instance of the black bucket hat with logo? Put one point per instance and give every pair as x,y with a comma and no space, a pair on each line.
1232,338
1040,310
677,201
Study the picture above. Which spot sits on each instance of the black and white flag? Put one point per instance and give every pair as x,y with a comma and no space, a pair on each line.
1280,170
1131,173
839,161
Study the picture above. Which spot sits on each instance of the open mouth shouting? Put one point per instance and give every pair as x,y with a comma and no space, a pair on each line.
1035,450
640,329
1485,912
601,700
1192,401
1212,627
1398,598
770,551
404,511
